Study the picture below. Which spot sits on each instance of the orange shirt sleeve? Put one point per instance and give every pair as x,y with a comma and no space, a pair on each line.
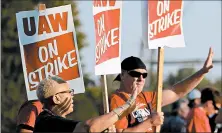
28,113
116,102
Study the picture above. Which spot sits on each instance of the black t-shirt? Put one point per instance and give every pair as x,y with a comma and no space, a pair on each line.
212,122
48,122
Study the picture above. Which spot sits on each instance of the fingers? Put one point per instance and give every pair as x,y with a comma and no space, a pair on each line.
211,53
208,63
66,106
134,93
211,66
157,118
160,113
211,50
63,107
112,129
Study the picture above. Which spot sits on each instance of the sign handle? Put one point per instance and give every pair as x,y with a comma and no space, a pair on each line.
105,95
41,7
159,81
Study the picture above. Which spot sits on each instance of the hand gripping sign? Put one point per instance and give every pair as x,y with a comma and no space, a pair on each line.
107,20
48,47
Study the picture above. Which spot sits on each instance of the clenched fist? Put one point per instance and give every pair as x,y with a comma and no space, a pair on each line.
157,118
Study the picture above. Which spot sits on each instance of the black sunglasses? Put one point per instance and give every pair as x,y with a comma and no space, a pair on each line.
136,74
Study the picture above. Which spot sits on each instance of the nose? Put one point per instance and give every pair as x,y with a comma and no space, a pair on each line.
141,77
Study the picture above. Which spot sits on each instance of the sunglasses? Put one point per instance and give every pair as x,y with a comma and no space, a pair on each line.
136,74
71,91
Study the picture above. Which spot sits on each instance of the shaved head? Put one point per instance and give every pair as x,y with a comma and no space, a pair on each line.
50,86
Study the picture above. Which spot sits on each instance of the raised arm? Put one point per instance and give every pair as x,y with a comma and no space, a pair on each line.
182,88
100,123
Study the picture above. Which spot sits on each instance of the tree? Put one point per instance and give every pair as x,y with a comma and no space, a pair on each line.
13,85
218,84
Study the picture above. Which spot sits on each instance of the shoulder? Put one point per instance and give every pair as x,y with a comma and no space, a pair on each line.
31,104
198,110
119,96
150,93
38,105
54,123
27,113
29,107
199,113
150,96
45,116
117,99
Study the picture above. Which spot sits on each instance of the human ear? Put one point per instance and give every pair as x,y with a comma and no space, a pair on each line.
56,99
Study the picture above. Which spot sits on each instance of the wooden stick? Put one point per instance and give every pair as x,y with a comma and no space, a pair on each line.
105,96
159,81
41,7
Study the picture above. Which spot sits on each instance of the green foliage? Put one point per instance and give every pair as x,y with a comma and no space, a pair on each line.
180,75
218,84
151,82
13,87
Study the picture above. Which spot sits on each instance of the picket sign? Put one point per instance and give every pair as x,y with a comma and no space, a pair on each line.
107,23
164,28
48,46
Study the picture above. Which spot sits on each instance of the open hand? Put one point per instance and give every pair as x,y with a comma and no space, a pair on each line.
134,93
63,107
209,61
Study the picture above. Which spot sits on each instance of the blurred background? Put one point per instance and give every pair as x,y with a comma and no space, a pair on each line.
202,29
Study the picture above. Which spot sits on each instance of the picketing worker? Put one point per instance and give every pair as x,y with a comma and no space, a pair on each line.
197,120
57,98
133,76
208,100
218,119
194,98
27,115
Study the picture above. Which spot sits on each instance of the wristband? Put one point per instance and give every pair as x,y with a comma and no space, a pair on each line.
125,108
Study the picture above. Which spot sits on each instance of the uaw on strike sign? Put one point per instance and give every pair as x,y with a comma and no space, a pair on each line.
107,20
48,47
165,23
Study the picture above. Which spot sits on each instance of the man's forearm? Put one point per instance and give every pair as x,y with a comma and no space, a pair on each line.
100,123
185,86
